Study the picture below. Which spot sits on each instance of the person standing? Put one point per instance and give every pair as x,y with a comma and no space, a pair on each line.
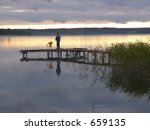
58,38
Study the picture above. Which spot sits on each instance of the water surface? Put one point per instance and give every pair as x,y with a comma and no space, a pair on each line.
46,86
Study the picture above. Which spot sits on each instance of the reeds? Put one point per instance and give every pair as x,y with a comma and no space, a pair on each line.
134,53
131,70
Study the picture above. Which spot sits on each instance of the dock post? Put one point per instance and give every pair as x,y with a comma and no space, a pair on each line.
76,54
109,60
67,54
73,54
84,56
88,56
25,54
95,57
102,58
51,54
61,54
48,56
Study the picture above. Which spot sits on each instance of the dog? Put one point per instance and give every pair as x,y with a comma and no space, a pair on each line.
49,45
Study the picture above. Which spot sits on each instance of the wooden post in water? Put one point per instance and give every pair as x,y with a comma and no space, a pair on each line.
59,53
102,58
51,54
95,57
88,58
25,54
67,54
109,60
48,55
84,56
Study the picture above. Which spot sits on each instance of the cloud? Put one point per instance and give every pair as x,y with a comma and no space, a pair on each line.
75,10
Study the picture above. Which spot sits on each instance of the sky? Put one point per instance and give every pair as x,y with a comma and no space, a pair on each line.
74,13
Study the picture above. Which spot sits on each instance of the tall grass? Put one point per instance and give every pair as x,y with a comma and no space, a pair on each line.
131,72
134,53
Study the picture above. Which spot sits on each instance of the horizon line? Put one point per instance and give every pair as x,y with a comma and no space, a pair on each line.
74,28
37,26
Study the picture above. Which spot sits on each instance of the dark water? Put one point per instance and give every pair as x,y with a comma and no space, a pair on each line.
45,86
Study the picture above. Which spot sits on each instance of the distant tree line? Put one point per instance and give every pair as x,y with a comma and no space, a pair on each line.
76,31
14,32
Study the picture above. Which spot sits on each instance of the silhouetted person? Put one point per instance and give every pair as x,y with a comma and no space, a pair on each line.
58,69
58,38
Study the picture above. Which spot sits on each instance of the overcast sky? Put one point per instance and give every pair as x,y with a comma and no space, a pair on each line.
44,11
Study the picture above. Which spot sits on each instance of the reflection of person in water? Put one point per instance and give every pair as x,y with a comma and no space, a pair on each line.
58,69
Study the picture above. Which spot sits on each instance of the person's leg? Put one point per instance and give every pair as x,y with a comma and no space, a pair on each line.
58,44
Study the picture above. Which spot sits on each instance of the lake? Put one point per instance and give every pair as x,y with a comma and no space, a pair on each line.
56,86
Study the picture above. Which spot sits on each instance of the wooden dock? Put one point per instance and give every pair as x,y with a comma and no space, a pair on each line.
80,55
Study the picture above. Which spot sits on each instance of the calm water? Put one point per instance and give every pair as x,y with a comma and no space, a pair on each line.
40,86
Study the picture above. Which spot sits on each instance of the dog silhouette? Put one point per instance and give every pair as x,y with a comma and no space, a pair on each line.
49,44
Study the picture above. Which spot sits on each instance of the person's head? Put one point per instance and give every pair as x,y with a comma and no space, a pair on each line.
57,33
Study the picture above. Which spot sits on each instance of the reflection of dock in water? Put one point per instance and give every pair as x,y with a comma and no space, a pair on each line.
76,55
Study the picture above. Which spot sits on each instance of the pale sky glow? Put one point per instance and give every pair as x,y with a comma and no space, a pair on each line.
43,14
79,25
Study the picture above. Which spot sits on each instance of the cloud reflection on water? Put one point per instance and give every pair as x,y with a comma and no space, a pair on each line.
33,87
